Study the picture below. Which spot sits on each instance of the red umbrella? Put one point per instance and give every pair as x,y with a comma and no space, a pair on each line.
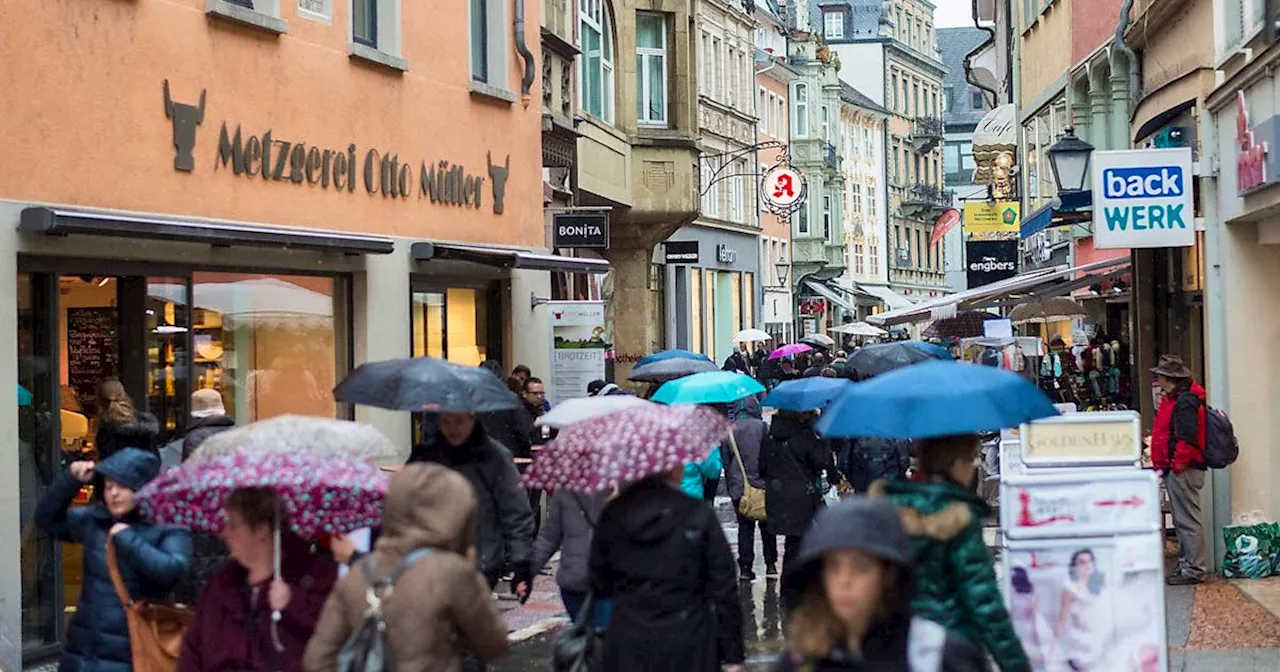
613,450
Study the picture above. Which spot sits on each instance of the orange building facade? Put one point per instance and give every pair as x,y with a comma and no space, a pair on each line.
250,196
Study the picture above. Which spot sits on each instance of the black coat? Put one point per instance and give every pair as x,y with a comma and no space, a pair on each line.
152,558
200,430
664,560
142,433
512,428
792,459
504,521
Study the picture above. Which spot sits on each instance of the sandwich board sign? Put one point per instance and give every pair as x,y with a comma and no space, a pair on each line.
1143,198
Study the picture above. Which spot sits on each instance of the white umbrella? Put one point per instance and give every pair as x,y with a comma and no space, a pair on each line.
751,336
859,329
576,410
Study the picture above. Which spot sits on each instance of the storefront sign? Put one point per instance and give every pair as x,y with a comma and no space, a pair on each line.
579,344
580,229
1143,198
681,252
1251,161
1110,438
989,261
783,189
726,254
810,307
280,159
987,220
995,144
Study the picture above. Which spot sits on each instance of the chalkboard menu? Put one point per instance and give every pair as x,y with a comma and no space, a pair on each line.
92,347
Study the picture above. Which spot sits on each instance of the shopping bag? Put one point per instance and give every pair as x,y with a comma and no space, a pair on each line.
1251,548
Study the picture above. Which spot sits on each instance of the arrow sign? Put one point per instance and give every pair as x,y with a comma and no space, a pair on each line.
1133,501
1076,504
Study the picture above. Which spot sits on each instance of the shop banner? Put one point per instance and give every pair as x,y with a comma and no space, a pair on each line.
580,229
1143,198
1088,604
988,261
998,220
1110,438
580,341
1088,502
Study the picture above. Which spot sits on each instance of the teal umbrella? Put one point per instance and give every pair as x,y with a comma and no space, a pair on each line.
24,396
711,387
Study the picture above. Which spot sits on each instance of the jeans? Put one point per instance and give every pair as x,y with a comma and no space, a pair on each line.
573,604
747,543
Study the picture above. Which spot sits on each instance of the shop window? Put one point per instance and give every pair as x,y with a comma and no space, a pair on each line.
735,296
709,300
452,324
749,300
651,68
695,309
595,66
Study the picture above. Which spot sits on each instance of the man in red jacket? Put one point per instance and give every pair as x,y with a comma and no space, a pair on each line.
1177,451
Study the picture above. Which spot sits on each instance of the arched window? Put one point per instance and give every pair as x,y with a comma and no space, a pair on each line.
595,67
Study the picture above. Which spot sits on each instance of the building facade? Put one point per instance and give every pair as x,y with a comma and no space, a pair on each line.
865,225
963,106
773,78
259,235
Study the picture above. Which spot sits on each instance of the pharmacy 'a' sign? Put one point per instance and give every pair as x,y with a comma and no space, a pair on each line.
1143,198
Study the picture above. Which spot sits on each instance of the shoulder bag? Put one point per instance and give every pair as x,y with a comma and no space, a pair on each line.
580,647
751,506
155,629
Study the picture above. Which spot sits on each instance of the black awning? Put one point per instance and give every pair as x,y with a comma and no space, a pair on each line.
506,258
62,221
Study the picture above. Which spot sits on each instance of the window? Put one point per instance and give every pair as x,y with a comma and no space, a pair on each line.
870,200
743,83
859,258
827,229
695,308
716,68
868,144
915,97
705,183
919,36
873,257
704,81
897,176
364,30
651,68
730,80
893,93
801,98
802,226
976,101
951,161
762,110
833,25
826,123
780,124
737,202
595,67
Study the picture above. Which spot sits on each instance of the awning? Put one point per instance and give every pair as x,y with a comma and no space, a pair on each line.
66,221
1050,280
501,257
1065,208
828,294
851,288
891,298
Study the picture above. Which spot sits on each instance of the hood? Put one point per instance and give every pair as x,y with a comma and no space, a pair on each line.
427,506
934,509
140,433
651,510
784,427
747,407
130,467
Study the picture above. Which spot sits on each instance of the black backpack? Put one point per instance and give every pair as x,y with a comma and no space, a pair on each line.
366,650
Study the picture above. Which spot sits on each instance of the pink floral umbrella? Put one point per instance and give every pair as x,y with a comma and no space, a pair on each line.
789,350
613,450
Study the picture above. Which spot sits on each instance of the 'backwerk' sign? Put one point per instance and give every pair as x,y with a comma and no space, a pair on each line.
1143,198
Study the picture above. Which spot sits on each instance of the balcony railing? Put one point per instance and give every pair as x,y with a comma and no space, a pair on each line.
927,197
832,158
926,133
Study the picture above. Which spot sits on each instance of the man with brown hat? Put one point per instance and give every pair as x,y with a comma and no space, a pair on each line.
1177,451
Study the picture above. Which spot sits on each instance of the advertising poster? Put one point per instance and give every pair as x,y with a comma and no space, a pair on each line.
1088,604
1080,503
988,261
579,342
997,220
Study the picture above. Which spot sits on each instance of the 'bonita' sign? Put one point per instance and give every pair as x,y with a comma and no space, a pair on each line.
1143,198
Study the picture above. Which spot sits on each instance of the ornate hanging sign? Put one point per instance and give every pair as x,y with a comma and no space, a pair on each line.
783,189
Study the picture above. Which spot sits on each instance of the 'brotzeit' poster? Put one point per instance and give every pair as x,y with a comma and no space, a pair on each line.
579,344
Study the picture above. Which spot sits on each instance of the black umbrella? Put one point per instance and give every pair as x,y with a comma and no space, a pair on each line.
425,384
873,360
670,369
815,343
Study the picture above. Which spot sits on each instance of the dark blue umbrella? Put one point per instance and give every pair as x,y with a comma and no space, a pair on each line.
675,353
806,394
938,398
932,349
425,384
873,360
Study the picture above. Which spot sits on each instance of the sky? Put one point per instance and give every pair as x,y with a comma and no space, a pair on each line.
952,13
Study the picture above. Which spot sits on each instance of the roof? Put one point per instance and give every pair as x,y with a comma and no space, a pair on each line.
955,44
854,97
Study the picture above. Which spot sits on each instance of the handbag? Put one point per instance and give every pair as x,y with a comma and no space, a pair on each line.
580,648
751,506
155,629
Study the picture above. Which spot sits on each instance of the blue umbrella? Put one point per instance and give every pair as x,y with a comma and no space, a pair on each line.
24,396
806,394
935,398
931,349
712,387
670,354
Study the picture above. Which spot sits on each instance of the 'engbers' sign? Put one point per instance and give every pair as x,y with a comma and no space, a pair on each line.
339,168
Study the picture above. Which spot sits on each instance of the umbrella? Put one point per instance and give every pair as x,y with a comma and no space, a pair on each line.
675,353
963,325
24,396
670,369
1049,310
712,387
613,450
932,349
751,336
426,384
300,433
790,349
806,394
572,411
859,329
820,341
874,360
935,398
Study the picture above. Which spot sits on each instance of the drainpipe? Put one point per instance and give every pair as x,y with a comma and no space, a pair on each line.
1011,83
991,40
1135,85
526,82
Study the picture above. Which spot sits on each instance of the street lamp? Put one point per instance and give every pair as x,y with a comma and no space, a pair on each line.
1069,158
783,268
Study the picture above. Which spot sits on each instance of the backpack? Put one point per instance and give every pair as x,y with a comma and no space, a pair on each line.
1221,448
367,650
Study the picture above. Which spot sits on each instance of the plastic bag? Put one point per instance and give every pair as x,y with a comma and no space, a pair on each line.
1252,551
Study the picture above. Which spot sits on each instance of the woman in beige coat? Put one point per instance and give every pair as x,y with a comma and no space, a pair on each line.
440,606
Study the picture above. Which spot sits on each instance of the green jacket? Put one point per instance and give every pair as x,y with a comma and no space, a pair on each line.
955,579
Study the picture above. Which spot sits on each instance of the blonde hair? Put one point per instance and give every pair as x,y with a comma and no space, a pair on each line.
816,631
114,404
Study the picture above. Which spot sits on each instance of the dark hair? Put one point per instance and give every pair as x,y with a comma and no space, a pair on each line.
255,506
521,368
936,456
595,386
515,385
815,631
1096,579
829,372
1021,582
531,381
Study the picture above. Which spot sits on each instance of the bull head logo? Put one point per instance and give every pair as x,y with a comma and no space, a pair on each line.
185,119
499,176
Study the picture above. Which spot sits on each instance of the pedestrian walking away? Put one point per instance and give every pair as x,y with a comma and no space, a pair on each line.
571,521
439,605
792,461
748,434
151,558
1177,452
